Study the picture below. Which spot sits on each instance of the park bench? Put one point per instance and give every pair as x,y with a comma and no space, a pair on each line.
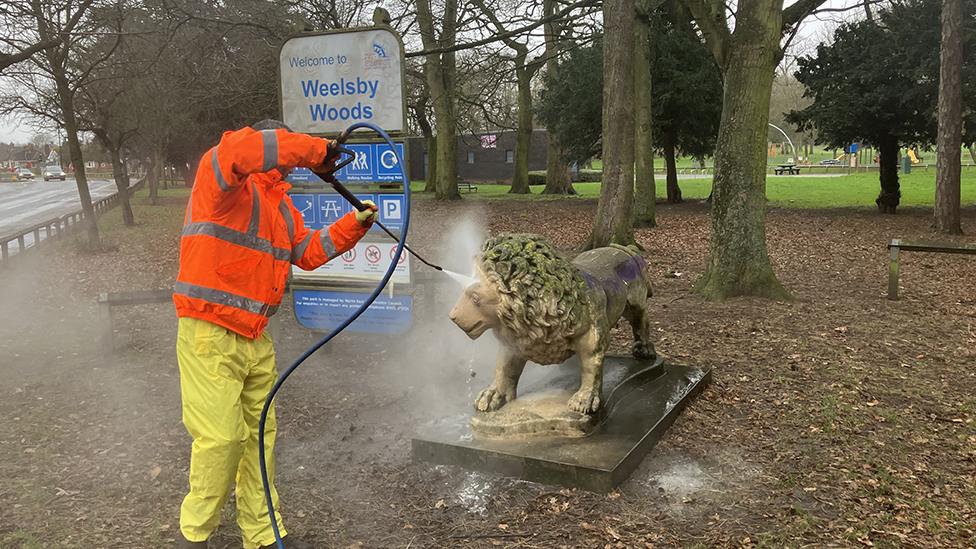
898,245
107,301
789,169
466,186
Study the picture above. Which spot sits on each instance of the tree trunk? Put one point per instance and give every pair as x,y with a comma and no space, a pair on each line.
78,161
645,187
613,222
558,179
738,262
121,174
674,191
949,163
430,185
154,175
890,195
523,133
441,73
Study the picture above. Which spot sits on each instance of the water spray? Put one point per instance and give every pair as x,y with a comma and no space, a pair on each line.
356,203
329,177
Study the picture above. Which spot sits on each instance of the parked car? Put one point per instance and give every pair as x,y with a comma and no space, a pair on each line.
830,162
23,174
53,172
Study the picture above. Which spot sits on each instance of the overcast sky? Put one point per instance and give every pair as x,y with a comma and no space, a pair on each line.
814,30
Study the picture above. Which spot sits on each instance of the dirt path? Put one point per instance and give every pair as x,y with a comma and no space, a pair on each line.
838,418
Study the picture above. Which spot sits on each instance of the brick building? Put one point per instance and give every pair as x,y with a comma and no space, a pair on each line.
482,156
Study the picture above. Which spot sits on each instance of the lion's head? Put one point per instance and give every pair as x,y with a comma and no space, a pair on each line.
526,287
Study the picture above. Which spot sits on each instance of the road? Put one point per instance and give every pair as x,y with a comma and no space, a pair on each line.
31,202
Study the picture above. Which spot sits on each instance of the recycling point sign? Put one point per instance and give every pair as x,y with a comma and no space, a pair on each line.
330,81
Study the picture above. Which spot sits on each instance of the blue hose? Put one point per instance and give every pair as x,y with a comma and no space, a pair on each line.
308,352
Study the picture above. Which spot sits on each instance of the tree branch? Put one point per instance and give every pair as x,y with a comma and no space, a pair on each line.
710,17
515,32
798,12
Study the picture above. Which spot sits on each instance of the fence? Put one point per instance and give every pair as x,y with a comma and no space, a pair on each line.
58,226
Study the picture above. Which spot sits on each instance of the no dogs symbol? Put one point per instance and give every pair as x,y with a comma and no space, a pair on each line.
373,254
403,257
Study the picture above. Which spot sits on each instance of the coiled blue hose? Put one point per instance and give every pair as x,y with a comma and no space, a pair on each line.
308,352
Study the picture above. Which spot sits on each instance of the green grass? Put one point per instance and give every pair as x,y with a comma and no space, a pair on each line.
856,190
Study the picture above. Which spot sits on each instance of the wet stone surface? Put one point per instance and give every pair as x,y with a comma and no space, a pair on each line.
641,400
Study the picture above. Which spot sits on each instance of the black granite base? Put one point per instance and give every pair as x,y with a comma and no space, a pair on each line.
641,399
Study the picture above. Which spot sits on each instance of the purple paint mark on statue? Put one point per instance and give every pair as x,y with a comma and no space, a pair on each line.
630,270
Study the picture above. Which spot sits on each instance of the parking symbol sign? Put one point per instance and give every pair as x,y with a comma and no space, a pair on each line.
391,208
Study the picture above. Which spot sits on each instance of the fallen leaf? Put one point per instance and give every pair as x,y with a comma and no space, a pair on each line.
613,533
502,526
154,472
440,504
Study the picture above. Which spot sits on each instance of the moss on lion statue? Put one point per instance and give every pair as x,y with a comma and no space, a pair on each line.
545,308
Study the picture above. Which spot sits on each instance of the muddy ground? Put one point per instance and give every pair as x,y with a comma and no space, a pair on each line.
836,419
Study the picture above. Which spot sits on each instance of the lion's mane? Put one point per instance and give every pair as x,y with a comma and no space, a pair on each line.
542,295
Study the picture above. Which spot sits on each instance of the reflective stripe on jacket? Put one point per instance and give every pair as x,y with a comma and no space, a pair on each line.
242,232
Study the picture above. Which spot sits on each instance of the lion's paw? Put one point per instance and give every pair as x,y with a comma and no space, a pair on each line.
492,399
643,351
585,401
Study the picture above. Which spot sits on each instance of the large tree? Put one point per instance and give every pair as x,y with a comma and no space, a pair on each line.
569,103
645,188
738,260
613,221
950,120
687,99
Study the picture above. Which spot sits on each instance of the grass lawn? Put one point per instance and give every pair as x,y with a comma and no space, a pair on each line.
857,190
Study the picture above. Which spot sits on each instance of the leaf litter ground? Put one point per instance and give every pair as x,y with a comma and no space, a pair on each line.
836,419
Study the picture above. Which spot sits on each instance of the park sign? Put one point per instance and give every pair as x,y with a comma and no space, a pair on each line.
334,79
328,82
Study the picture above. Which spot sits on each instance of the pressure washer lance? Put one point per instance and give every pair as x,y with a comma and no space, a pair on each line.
330,178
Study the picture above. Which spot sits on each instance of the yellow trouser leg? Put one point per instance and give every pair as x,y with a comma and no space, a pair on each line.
252,509
212,375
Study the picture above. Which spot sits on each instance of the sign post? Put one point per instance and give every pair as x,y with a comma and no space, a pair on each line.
329,81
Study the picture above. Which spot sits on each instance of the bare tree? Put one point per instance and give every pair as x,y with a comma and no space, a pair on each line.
525,68
558,179
440,69
68,65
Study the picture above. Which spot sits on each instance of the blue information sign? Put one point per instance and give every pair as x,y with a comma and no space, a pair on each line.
324,310
323,209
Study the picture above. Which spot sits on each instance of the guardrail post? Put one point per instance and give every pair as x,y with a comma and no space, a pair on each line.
4,250
20,243
893,270
37,237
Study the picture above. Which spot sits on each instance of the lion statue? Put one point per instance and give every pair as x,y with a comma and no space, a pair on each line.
545,308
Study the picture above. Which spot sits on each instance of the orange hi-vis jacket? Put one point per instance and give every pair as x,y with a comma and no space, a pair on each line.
241,232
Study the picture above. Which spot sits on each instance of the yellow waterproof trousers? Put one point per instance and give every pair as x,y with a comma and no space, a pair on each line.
224,380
